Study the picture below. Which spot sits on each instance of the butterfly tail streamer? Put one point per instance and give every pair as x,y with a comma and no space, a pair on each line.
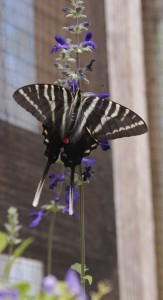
71,191
40,185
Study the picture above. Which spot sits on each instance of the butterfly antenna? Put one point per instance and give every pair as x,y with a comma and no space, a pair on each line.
71,191
40,185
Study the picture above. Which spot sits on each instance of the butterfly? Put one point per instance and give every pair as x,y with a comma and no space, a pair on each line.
75,124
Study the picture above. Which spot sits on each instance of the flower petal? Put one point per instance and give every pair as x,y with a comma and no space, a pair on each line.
104,145
89,162
60,40
88,36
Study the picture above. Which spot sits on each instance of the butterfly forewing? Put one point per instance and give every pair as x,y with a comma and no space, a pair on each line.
109,120
46,102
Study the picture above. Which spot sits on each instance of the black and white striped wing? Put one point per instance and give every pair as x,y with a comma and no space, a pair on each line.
108,120
46,102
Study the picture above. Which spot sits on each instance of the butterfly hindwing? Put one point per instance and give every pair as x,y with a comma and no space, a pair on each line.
109,120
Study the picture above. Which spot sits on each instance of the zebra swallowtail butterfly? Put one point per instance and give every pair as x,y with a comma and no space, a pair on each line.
74,125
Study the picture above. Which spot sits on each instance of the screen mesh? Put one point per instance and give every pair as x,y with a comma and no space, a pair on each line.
17,58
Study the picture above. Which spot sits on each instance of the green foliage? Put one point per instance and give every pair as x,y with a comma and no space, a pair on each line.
77,268
103,289
3,241
17,253
12,227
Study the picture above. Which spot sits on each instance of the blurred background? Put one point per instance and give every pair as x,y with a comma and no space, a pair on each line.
124,209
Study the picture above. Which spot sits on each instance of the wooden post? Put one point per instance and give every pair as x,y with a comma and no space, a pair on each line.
131,161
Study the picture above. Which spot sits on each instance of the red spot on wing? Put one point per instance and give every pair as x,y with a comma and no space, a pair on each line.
66,140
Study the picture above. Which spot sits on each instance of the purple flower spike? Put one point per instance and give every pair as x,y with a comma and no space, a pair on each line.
89,162
104,145
74,285
38,217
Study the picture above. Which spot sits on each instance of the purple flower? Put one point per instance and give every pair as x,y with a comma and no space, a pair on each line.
66,9
86,24
73,86
49,284
88,36
89,67
62,44
103,95
56,178
38,217
104,145
9,294
89,162
87,173
71,28
87,42
57,198
74,285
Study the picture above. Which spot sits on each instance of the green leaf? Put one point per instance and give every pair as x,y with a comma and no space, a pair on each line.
76,267
22,247
17,253
89,279
3,241
23,288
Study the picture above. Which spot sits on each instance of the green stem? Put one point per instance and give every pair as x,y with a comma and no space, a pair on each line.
81,192
82,231
77,54
50,243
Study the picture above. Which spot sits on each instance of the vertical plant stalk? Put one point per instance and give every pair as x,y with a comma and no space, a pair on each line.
81,192
82,231
50,243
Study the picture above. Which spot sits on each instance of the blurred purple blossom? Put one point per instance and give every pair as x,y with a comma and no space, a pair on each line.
49,284
56,179
38,217
9,294
89,162
74,285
